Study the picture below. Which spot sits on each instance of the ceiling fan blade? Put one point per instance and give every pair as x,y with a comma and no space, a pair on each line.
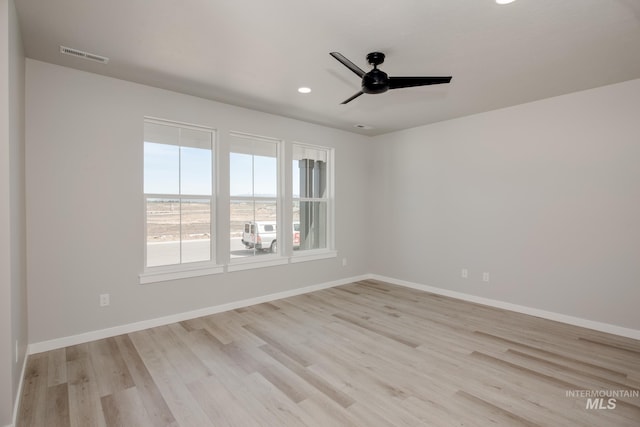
398,82
350,65
353,97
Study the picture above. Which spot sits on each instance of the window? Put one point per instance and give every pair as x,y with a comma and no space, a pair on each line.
178,193
312,198
180,202
254,196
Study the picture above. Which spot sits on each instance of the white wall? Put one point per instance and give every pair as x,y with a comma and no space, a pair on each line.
13,302
544,196
85,206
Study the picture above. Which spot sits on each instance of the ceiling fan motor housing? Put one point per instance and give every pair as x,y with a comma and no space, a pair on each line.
375,81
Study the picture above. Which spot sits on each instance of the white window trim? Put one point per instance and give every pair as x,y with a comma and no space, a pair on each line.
329,251
313,255
263,260
166,273
260,261
285,254
162,273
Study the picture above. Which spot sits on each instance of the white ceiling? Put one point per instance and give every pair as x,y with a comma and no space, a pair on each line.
256,53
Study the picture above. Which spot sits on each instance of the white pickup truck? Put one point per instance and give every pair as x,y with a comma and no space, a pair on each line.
262,235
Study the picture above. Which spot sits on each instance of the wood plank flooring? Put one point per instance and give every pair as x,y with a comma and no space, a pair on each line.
365,354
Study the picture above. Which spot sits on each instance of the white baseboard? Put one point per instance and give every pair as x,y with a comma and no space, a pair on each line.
571,320
42,346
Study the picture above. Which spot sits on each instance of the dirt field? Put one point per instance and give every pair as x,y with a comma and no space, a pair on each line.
163,219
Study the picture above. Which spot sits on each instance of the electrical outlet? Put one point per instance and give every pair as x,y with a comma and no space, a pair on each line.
464,273
485,276
104,300
344,262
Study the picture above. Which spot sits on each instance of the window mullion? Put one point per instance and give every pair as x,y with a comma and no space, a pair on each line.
180,190
253,198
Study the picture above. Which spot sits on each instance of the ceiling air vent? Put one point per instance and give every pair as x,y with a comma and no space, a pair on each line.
84,55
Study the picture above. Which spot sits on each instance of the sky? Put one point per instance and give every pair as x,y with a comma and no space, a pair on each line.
167,167
163,173
265,175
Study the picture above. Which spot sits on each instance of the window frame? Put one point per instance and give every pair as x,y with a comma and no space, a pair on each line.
270,259
329,251
181,270
284,210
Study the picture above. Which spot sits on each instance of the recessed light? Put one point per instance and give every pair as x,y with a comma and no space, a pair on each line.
304,89
504,1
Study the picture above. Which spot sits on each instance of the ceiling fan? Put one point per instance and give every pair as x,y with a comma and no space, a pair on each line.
377,81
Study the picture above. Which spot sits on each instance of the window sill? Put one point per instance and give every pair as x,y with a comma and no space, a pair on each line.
313,255
174,273
250,263
163,274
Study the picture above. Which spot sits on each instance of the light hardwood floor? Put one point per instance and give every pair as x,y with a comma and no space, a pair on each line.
365,354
